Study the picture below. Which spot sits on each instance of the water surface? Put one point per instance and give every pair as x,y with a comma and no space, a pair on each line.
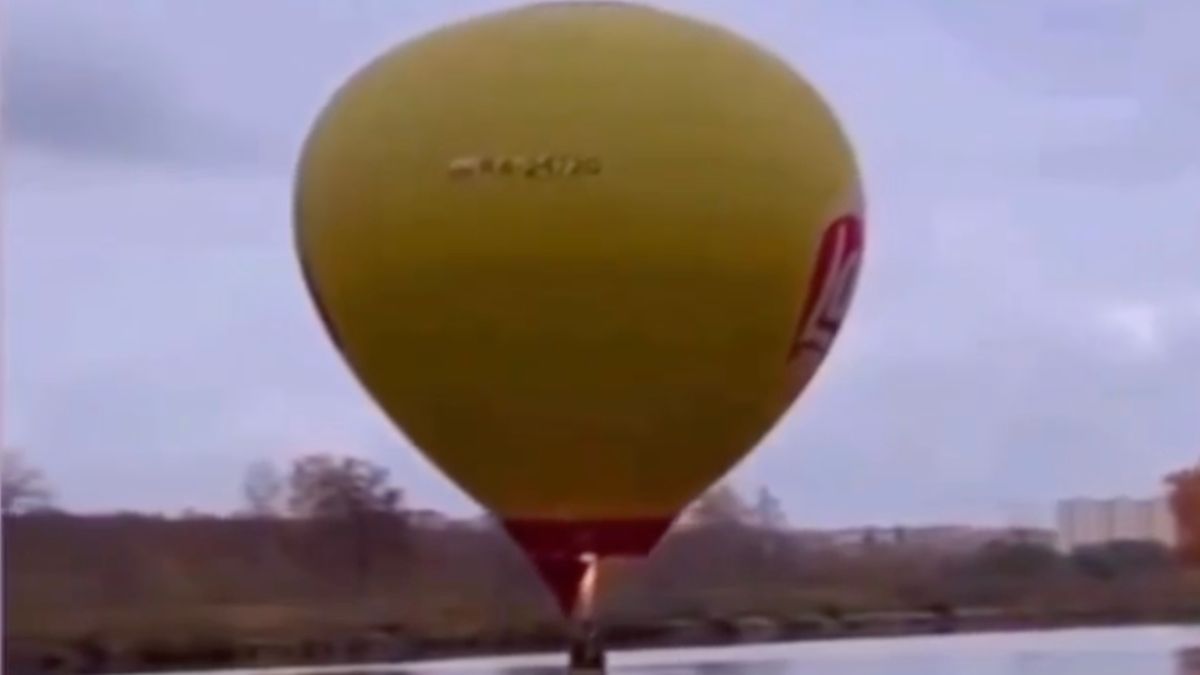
1168,650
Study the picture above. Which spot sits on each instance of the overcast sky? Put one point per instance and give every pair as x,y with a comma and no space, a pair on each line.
1027,327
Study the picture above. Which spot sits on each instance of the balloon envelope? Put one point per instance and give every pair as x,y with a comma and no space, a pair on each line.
583,255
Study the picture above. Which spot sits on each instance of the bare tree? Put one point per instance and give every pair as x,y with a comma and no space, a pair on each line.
23,488
323,486
721,505
776,548
263,489
350,494
768,512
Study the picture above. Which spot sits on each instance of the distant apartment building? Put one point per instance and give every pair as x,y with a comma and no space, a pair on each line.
1085,522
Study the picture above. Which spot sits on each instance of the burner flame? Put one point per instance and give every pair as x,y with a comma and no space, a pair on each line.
587,585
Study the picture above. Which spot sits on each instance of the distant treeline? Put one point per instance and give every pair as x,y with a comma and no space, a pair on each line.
329,553
67,576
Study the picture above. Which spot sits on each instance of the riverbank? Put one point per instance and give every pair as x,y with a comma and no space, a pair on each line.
91,594
96,655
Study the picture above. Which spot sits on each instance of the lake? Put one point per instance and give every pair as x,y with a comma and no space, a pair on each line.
1163,650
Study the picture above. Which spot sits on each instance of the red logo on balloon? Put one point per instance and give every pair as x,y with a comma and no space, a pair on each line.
831,288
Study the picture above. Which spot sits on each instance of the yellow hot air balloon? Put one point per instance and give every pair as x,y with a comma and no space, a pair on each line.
583,255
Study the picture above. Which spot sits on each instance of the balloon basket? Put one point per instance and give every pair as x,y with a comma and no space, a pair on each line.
587,649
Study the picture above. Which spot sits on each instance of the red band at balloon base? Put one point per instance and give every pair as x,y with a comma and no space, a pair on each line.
557,547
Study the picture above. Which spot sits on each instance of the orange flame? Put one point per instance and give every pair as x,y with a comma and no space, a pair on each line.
587,585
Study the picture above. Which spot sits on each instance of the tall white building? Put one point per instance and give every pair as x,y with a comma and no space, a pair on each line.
1082,522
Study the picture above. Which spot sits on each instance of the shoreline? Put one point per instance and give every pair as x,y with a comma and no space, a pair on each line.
349,653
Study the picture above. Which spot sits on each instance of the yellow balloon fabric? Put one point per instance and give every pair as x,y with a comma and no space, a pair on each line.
574,251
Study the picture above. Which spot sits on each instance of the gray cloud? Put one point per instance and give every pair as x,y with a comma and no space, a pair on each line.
78,92
1118,80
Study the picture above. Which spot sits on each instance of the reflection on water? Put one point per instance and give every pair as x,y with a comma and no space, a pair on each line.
1121,651
1187,661
683,668
719,668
